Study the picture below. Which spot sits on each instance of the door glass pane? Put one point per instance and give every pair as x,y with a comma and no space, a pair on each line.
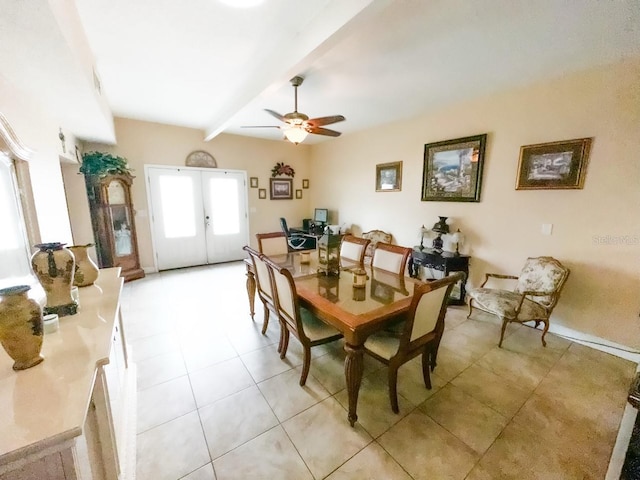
14,250
224,205
178,210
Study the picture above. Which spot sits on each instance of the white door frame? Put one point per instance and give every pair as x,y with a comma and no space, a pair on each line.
176,167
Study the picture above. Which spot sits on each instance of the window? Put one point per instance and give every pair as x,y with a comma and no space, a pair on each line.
15,265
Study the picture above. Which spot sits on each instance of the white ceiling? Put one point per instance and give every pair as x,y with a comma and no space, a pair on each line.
205,65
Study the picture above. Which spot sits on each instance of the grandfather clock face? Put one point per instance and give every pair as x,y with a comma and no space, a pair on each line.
121,223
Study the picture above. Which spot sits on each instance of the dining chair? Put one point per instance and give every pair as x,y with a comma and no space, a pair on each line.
535,295
353,248
305,326
392,258
420,334
263,286
273,243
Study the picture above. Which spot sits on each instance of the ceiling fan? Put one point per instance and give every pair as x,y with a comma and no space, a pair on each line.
298,125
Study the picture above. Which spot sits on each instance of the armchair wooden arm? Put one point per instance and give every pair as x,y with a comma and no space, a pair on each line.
497,275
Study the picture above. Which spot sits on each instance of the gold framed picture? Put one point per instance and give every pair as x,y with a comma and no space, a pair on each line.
554,165
253,182
298,194
262,193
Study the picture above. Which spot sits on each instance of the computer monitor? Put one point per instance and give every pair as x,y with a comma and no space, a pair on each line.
321,215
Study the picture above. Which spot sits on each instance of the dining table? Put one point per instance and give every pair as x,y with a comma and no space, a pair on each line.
356,311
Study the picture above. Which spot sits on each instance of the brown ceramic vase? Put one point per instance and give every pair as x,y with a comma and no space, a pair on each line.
86,272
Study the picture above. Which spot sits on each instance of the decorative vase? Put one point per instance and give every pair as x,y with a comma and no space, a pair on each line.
440,228
86,271
54,265
21,326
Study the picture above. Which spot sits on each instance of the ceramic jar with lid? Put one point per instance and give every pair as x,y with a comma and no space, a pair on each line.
54,265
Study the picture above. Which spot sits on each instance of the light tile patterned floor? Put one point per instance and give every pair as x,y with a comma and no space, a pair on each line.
216,402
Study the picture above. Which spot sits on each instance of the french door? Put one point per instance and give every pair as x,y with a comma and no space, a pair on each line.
198,216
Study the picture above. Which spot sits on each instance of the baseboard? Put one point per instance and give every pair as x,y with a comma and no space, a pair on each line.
596,342
148,270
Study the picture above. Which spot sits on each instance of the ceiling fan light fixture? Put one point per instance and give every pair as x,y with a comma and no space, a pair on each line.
295,134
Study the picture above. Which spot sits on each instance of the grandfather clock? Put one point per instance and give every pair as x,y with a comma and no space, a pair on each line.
113,224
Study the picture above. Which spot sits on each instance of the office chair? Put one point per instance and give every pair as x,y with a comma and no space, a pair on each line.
298,241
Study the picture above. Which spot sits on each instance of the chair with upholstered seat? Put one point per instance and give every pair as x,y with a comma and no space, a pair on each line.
374,236
533,299
419,334
263,285
298,241
392,258
307,328
273,243
353,248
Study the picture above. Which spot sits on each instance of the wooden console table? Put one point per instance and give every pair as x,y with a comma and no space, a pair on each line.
445,262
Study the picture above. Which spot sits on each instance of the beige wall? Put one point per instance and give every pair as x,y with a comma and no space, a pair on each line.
602,295
144,143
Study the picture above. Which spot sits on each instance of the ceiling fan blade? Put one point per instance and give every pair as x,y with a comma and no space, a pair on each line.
259,126
320,121
275,114
324,131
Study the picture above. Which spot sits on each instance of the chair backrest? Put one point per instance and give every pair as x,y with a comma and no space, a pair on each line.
353,248
285,297
274,243
285,228
425,319
375,236
263,281
543,274
392,258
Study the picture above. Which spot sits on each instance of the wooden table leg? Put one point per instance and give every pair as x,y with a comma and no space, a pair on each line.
353,368
251,290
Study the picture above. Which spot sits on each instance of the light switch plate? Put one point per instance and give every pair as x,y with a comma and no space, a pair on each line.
547,228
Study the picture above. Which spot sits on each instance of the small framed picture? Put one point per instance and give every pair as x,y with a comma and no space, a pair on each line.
552,166
389,177
298,194
281,188
305,183
253,182
262,193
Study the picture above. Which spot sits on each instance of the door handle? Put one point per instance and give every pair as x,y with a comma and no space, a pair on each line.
206,221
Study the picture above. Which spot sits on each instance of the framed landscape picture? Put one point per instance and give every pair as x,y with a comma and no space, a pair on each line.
281,188
389,177
555,165
452,170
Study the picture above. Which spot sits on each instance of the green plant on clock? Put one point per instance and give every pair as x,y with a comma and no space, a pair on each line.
101,164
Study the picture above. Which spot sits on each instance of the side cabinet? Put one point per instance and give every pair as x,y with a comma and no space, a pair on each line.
96,441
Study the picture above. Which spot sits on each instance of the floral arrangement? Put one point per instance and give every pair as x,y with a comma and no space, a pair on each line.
282,169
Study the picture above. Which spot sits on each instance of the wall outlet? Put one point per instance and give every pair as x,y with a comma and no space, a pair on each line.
547,228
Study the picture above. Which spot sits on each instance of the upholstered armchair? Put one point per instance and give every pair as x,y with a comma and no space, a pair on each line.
533,299
374,236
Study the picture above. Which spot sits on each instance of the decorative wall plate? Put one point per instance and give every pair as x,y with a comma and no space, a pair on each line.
200,158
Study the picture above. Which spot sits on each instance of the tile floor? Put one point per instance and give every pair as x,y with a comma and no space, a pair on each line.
216,402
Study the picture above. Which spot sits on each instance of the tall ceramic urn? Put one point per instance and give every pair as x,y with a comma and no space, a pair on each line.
21,326
54,265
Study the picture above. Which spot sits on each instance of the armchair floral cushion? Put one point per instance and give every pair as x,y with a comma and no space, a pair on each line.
533,299
375,236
